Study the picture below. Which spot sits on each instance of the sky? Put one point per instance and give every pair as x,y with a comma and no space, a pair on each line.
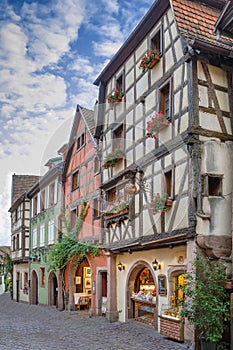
51,51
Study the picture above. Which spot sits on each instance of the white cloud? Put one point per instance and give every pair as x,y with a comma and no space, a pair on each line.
111,6
42,79
106,48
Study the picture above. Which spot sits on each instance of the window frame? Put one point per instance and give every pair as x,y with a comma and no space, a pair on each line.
74,174
162,98
51,231
117,144
169,170
153,40
96,211
42,235
81,141
205,184
74,213
120,82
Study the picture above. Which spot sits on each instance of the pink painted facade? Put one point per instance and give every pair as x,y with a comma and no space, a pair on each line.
81,183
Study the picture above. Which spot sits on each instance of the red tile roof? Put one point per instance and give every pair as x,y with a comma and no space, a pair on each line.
196,20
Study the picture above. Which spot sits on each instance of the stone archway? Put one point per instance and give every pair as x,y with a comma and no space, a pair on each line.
52,289
34,288
130,287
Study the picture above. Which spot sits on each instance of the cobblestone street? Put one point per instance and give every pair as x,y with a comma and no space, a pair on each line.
24,326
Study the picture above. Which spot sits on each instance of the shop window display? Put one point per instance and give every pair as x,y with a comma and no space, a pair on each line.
144,297
170,321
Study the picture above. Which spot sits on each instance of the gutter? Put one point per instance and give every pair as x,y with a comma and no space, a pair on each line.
198,44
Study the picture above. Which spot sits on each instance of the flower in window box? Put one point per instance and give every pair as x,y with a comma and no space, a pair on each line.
112,158
156,124
115,97
149,60
159,203
116,210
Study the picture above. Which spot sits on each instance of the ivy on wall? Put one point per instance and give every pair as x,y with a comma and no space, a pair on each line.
68,246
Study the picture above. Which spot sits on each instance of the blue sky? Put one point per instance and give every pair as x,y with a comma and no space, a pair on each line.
51,51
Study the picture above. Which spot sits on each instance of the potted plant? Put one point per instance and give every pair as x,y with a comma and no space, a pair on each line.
114,98
149,60
112,158
156,124
116,209
206,304
159,203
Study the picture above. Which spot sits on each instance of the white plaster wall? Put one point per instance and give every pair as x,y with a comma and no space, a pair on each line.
217,159
129,64
142,85
166,257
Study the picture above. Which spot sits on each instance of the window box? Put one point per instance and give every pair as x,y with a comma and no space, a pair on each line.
114,215
116,210
112,158
157,123
149,60
160,203
114,98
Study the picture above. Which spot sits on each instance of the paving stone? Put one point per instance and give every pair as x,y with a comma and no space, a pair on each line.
29,327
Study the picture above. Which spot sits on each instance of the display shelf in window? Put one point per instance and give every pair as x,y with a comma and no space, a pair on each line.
171,324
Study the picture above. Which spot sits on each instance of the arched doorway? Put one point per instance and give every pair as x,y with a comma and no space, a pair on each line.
141,294
52,289
34,288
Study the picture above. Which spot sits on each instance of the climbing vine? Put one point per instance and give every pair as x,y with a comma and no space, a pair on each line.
8,267
68,246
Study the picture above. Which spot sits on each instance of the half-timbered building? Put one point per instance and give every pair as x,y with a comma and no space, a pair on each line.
20,225
165,122
85,277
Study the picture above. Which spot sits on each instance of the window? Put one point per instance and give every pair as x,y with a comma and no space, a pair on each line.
156,42
169,183
35,201
165,100
116,195
73,218
34,238
42,235
51,232
75,180
212,185
96,208
14,243
42,201
51,194
80,141
118,138
42,276
120,83
96,165
17,242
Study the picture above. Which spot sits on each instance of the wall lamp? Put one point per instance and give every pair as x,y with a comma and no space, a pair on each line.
156,265
120,266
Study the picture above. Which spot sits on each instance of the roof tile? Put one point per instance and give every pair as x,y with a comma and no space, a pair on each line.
196,20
